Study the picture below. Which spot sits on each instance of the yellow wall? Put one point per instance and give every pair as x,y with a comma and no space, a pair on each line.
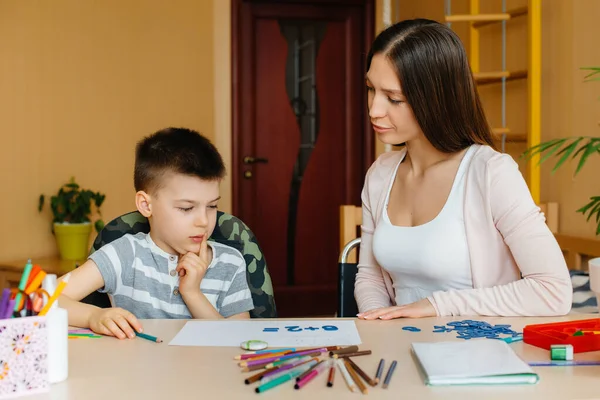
569,106
81,82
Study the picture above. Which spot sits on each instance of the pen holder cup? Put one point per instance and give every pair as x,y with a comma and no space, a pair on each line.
594,271
23,356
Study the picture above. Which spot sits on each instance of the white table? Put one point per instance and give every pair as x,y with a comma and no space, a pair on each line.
107,368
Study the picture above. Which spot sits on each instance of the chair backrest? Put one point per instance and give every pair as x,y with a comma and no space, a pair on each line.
346,276
230,231
350,221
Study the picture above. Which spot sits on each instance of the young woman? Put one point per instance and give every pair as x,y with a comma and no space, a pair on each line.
449,225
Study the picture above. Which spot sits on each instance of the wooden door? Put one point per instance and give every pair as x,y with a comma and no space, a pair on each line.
301,139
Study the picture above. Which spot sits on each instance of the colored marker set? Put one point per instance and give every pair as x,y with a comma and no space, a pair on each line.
35,295
33,338
302,366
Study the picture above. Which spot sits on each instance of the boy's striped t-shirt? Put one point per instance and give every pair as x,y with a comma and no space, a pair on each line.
140,277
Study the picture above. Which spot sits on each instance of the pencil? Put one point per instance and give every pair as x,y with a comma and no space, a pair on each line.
379,370
388,377
295,355
345,350
331,375
256,377
254,360
358,353
355,377
84,335
148,337
253,354
362,373
291,364
346,375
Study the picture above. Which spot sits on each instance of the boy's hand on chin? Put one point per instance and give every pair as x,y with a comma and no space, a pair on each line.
192,268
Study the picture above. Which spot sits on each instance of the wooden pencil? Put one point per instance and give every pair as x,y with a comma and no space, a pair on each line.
347,378
355,377
362,373
344,350
358,353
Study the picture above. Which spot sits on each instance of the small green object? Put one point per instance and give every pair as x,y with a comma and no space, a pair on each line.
254,345
562,352
578,333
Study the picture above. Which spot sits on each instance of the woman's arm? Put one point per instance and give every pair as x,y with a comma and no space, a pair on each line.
369,289
545,288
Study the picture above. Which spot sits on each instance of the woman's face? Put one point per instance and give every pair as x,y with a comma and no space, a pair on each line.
392,118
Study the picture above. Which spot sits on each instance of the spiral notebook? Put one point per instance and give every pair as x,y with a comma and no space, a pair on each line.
472,362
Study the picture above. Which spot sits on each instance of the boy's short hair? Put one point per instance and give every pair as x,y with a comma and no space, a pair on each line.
177,150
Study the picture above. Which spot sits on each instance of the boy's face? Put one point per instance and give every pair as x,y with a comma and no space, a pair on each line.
182,212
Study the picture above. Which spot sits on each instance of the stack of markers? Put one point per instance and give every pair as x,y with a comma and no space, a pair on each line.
29,299
278,366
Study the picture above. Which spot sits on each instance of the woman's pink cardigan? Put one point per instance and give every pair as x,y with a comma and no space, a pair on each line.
507,237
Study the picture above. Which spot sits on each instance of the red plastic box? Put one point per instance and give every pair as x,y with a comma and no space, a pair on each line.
545,335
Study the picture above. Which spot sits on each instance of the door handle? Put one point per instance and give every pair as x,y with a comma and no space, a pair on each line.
254,160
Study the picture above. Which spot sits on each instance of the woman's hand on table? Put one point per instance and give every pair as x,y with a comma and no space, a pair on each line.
419,309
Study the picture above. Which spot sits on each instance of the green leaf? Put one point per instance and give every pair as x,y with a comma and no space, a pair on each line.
41,203
567,152
541,147
551,152
589,149
594,210
595,71
585,208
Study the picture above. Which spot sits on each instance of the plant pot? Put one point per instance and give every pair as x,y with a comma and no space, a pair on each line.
73,240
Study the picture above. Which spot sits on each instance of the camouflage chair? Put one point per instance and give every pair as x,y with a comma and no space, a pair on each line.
230,231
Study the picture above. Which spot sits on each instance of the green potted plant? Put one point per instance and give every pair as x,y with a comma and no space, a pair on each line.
71,208
581,147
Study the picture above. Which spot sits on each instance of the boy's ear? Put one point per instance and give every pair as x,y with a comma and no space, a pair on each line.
143,202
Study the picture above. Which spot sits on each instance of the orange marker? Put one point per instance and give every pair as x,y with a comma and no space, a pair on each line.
55,295
35,282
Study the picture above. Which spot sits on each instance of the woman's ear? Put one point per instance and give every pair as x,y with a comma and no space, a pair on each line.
143,202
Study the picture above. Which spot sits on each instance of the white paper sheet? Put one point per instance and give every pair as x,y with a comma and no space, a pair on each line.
276,333
472,362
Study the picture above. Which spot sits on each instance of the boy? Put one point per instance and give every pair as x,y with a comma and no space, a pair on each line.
172,272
